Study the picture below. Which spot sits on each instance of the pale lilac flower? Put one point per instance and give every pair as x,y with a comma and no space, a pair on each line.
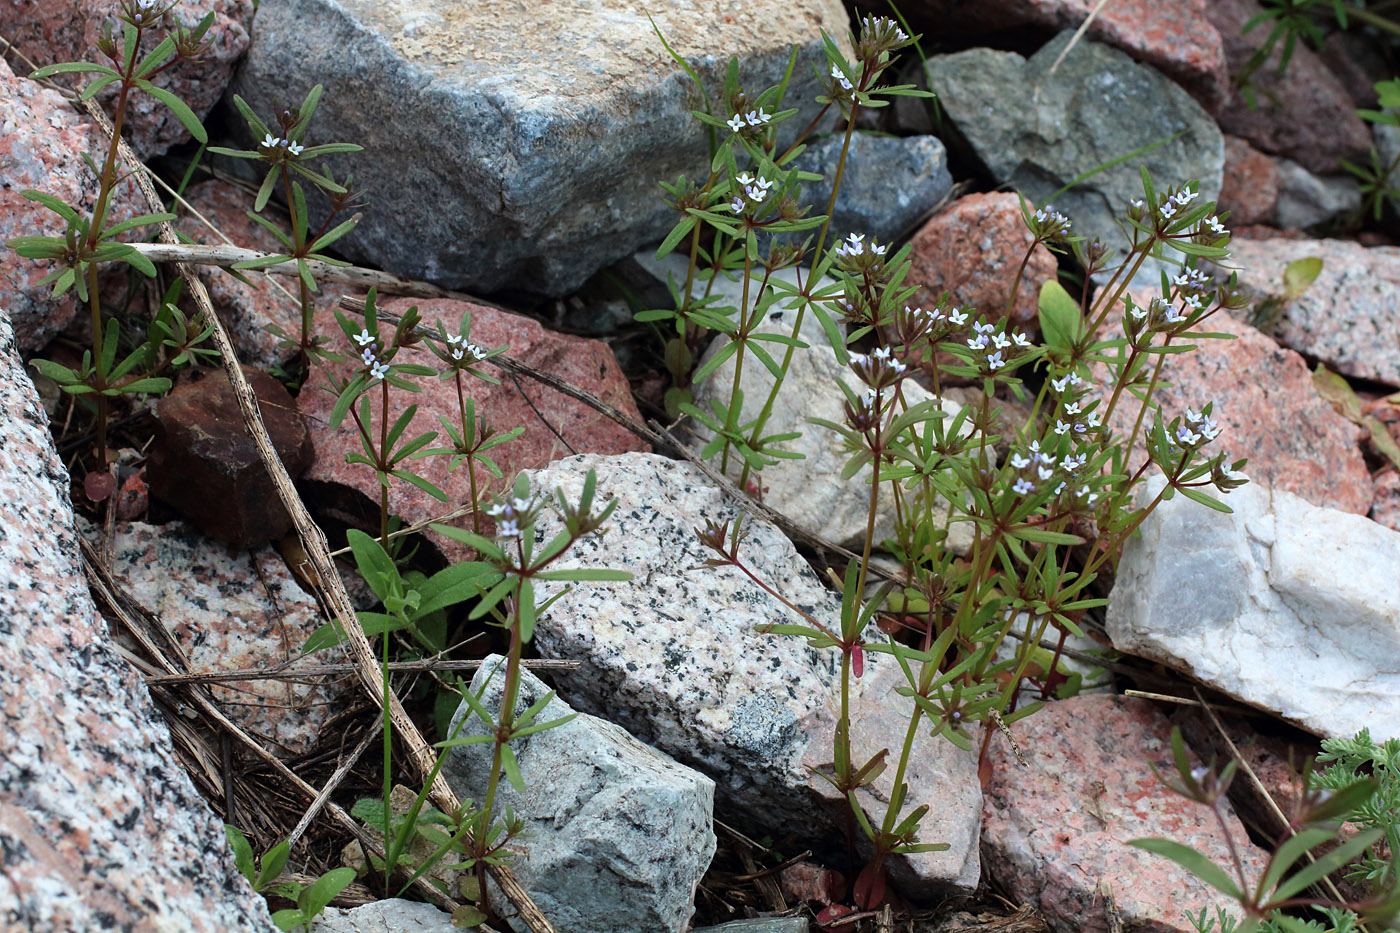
736,122
1023,486
1020,462
294,148
995,361
758,117
957,317
840,78
1021,340
363,338
1061,427
378,370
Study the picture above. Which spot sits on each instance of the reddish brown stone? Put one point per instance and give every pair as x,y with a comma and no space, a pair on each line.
204,463
1385,505
50,32
1249,187
248,311
1305,113
1268,411
42,142
1173,36
1054,834
973,250
555,425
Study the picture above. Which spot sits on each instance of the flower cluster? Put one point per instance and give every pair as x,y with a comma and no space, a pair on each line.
755,190
1197,428
986,337
1049,224
878,368
272,142
513,514
753,118
854,245
141,10
1175,202
460,347
882,27
1073,416
841,78
378,368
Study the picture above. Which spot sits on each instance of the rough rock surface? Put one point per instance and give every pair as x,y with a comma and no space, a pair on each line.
1037,131
1249,188
66,32
233,611
1304,113
1235,600
42,142
1172,36
888,184
542,134
391,914
972,251
619,834
1307,200
248,311
204,462
1054,833
811,490
675,656
1349,317
351,489
1385,508
100,826
1257,386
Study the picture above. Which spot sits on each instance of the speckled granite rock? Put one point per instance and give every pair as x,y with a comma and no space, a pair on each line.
66,32
619,834
1054,833
811,490
232,611
41,146
1258,386
972,251
1036,131
100,826
1385,508
1304,113
1306,200
1249,187
555,425
1236,600
676,658
544,128
888,184
1349,318
249,310
1172,36
391,914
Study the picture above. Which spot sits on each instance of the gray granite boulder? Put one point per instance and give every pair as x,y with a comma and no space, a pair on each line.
1284,605
1036,131
100,826
519,147
677,658
888,185
1306,200
618,834
391,915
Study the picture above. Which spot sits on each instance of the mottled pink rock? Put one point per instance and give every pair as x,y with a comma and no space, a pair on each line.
204,462
49,32
42,141
1055,832
1268,411
1249,187
973,250
100,826
248,311
1349,317
233,610
555,425
1385,506
1173,36
1305,113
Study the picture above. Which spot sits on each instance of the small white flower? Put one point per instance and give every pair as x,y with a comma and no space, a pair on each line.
496,510
1215,226
294,148
1023,486
1074,463
454,339
1095,419
737,205
378,370
1072,408
1194,301
1168,210
736,122
957,317
270,141
758,117
877,249
1045,472
977,343
840,78
1187,436
1138,312
521,505
756,194
1061,427
456,353
1060,488
1192,416
368,356
995,361
745,179
981,328
1000,342
1186,197
1209,429
509,528
1020,462
363,338
1059,385
478,352
1021,340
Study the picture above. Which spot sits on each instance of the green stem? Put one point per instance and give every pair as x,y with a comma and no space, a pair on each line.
731,419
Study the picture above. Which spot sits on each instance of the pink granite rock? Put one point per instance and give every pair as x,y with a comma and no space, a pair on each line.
249,310
1249,187
100,826
1305,114
1349,317
1385,507
50,32
42,142
973,250
555,425
1054,834
1268,411
233,610
1175,37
